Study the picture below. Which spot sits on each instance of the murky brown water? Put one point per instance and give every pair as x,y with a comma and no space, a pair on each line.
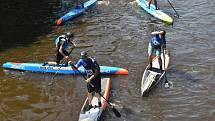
117,34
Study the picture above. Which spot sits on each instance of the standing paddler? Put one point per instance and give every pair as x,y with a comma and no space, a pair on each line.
93,76
79,4
157,42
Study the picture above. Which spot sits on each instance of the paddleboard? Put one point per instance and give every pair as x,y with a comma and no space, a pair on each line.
151,77
159,14
76,12
61,69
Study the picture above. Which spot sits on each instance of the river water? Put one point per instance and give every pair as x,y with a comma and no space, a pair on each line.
117,34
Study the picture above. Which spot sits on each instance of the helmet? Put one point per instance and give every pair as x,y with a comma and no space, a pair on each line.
84,55
69,35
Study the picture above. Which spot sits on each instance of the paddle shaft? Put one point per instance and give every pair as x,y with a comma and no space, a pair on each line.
166,81
58,70
173,8
61,65
114,110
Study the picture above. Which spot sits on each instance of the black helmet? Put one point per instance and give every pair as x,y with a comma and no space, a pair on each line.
84,55
69,35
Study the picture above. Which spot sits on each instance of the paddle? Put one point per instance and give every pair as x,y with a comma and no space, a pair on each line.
167,83
173,8
116,112
59,69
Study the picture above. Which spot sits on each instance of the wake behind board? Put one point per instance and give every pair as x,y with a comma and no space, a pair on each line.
152,77
76,12
159,14
95,114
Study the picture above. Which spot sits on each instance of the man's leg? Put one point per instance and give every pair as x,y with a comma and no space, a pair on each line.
89,96
150,61
150,1
50,63
99,99
98,90
156,5
160,63
150,51
90,89
158,54
59,57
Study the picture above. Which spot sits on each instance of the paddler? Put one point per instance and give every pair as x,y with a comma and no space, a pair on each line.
157,43
79,4
63,42
155,3
93,76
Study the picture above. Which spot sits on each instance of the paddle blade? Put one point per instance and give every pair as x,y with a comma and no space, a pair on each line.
116,112
166,85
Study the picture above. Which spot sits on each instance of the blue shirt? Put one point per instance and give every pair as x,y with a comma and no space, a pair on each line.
89,65
157,42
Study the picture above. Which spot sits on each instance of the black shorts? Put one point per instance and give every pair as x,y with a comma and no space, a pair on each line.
59,56
97,85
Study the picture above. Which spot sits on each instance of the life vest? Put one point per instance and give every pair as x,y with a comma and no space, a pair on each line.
156,41
90,66
62,39
59,40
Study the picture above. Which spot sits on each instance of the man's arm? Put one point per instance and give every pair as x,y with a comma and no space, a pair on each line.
157,32
61,51
93,76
